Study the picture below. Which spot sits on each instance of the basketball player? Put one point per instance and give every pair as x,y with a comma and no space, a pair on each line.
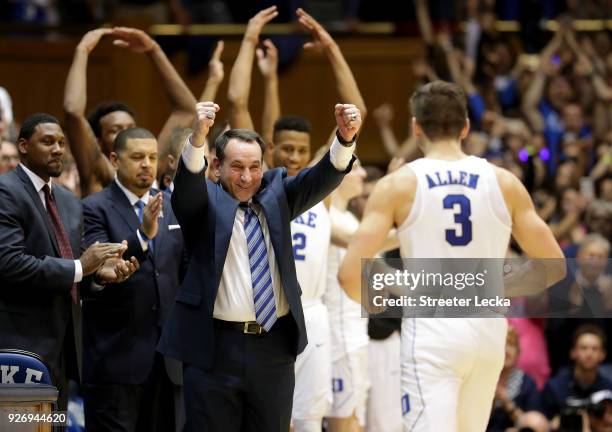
450,367
349,331
311,233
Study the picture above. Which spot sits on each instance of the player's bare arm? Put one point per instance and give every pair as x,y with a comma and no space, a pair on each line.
388,206
240,77
530,232
267,62
342,234
94,168
216,73
346,84
181,99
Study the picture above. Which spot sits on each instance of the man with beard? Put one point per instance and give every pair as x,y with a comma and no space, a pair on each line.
40,233
127,386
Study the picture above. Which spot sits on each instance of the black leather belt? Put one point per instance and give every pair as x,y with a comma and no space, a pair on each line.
247,327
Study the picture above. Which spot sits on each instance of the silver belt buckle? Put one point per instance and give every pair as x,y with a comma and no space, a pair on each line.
252,327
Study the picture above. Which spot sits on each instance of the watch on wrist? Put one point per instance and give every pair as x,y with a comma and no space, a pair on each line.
143,235
344,142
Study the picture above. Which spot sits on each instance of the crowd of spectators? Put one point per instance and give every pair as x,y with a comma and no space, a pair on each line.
342,13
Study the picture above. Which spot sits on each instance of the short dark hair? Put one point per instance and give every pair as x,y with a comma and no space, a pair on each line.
132,133
292,123
440,108
29,124
239,134
589,329
103,109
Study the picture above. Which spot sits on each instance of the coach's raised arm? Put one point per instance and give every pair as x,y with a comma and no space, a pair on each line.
241,278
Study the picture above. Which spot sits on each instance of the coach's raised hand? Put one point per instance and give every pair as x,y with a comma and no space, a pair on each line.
348,120
205,119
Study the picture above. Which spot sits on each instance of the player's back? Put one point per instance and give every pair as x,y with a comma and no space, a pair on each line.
458,211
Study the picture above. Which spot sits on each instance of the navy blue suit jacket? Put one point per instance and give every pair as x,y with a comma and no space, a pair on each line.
206,213
35,282
122,322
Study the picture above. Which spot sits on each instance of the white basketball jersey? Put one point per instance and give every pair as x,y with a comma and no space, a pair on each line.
311,235
458,211
348,329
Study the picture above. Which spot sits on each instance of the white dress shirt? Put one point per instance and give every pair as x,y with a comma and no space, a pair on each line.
133,199
38,185
234,300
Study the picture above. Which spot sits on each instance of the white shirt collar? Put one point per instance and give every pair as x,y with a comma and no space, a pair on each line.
35,179
131,196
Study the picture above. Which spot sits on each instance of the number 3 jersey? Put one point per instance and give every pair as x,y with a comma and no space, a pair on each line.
311,234
458,211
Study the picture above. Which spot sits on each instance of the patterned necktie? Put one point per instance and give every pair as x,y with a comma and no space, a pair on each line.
263,293
140,207
60,233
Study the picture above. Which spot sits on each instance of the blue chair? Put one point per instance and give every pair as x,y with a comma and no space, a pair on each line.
23,367
25,386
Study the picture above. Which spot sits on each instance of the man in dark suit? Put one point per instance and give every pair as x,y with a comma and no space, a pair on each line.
40,238
237,323
127,385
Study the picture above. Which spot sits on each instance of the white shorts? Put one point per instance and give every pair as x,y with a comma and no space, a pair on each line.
312,396
450,368
384,408
350,384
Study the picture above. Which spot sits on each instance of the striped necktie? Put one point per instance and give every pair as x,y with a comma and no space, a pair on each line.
263,293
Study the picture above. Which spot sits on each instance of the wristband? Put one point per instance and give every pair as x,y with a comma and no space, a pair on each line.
344,142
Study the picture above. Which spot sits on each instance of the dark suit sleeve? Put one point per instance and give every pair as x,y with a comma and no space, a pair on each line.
97,230
529,395
313,184
19,268
189,199
548,402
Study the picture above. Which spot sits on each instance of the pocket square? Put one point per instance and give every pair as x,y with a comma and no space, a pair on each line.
173,227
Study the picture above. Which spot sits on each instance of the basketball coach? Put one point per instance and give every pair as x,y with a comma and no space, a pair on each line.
237,322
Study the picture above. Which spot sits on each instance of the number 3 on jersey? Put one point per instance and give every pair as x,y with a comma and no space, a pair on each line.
462,217
299,244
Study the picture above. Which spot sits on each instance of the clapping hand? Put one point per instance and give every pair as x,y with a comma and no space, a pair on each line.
321,38
150,213
267,61
257,23
215,66
96,254
92,38
383,114
116,269
133,39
